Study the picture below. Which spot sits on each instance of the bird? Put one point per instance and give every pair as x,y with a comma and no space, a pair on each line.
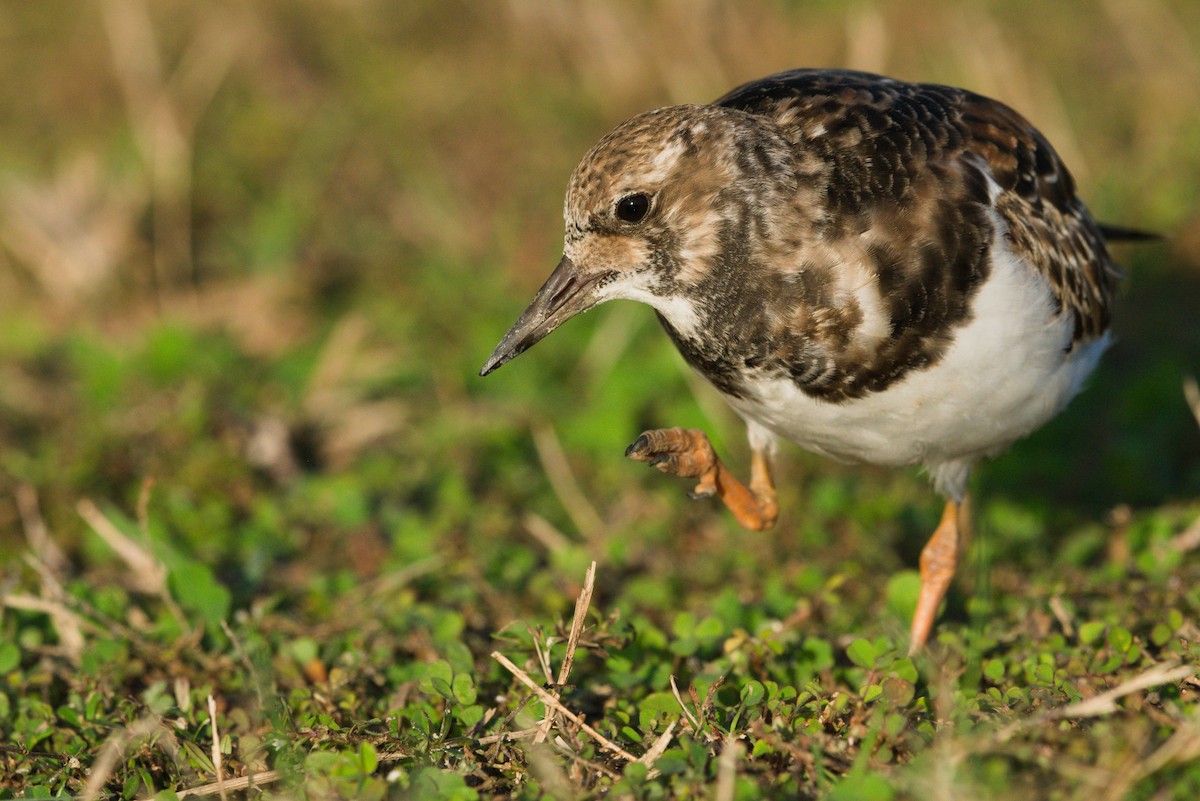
878,271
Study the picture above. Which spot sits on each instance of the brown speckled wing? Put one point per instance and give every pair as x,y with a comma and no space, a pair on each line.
1047,222
907,172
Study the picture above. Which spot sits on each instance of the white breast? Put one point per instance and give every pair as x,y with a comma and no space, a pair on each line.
1006,373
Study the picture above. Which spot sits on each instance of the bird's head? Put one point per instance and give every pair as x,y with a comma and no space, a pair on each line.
659,204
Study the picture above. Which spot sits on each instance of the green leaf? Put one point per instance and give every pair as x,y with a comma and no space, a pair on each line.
684,625
368,758
1088,632
442,687
709,630
863,787
435,784
469,716
902,591
464,689
660,702
994,670
862,653
1120,639
196,589
303,649
636,772
10,657
753,693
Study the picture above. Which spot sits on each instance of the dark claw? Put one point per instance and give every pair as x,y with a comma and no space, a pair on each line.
699,496
639,445
659,458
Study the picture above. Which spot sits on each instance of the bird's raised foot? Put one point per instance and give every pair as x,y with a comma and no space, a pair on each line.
681,452
688,453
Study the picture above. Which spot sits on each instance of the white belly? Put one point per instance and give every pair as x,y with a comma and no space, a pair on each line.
1005,374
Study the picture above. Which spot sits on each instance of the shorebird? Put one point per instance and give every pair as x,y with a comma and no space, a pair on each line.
878,271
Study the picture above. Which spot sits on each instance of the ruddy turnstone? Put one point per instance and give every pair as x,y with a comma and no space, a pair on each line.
878,271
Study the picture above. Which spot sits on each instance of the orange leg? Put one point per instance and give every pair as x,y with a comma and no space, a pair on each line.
688,453
938,560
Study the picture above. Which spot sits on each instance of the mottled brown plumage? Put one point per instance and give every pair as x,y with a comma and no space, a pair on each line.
878,271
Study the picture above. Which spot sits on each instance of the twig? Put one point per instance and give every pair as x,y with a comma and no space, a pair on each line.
581,609
505,736
216,746
562,480
660,745
551,701
582,603
727,770
1183,746
143,506
1106,702
1188,539
1191,391
68,624
1060,612
111,752
36,532
149,574
687,713
545,533
64,618
543,657
232,785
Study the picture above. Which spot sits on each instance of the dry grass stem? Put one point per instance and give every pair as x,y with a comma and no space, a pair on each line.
541,648
40,542
562,480
67,623
612,338
1182,746
1188,539
149,574
687,713
545,532
727,764
658,747
551,778
507,736
867,41
111,753
233,785
1062,615
582,603
216,747
163,112
337,395
1191,391
1104,703
553,702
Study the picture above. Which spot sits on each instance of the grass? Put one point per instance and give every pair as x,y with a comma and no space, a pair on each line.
260,522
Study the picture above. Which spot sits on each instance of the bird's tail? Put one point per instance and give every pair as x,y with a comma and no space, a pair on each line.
1116,233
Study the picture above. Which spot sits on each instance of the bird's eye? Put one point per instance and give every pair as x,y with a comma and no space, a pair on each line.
633,208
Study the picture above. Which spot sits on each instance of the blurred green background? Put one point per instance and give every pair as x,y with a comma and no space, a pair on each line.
253,254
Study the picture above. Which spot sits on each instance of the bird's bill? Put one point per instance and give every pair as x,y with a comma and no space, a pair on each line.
566,293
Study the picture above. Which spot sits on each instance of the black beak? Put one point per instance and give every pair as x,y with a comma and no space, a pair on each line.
565,294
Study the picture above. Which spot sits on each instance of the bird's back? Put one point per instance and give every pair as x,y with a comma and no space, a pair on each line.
925,172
